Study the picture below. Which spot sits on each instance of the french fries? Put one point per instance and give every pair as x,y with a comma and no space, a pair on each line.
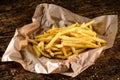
63,43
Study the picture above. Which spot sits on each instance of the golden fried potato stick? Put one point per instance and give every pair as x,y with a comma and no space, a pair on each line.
64,51
80,45
53,48
32,41
58,53
36,51
64,57
60,57
80,50
58,45
73,50
89,23
87,32
41,45
46,39
98,40
90,26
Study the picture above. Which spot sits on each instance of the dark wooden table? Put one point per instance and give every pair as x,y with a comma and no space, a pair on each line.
16,13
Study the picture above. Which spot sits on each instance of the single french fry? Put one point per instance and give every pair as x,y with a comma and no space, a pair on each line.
72,45
87,32
54,48
89,23
58,45
42,45
64,51
42,35
60,56
58,53
80,45
80,50
46,39
99,40
83,25
53,30
73,49
66,38
77,35
32,41
69,30
36,51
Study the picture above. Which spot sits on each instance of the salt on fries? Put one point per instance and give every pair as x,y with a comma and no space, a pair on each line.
65,42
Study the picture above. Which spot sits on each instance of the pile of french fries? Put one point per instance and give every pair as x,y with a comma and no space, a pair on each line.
65,42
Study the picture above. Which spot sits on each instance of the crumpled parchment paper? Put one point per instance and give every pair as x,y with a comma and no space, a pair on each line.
44,17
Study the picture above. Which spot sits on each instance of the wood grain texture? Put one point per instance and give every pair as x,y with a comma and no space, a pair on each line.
16,13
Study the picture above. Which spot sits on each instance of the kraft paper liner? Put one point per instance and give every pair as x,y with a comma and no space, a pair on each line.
44,17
